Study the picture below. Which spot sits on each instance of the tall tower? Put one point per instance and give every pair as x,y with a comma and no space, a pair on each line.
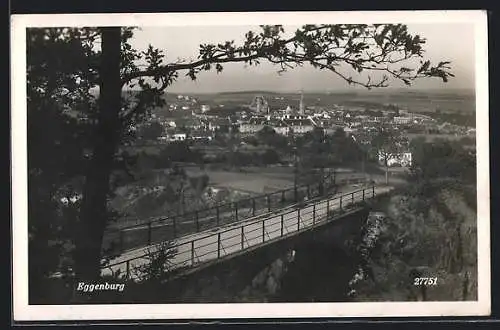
301,105
259,104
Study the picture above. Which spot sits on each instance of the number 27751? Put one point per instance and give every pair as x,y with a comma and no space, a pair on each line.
425,281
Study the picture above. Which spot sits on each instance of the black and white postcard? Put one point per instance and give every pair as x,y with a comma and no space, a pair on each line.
250,165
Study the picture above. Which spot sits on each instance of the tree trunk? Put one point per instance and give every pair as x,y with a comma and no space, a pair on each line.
93,214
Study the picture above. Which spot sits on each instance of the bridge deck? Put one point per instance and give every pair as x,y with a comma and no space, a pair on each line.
195,249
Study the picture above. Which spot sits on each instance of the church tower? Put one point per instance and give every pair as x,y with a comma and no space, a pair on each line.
301,105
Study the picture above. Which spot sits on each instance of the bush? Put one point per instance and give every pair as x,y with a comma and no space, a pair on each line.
429,226
270,157
159,263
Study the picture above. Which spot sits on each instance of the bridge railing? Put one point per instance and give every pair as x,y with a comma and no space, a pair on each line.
119,240
249,234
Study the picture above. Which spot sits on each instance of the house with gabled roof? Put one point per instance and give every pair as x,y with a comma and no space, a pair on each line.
189,123
253,125
219,124
280,127
299,126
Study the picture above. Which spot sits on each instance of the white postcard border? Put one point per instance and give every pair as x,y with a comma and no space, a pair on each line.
24,312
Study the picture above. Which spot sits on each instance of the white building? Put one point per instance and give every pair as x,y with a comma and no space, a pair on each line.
177,137
402,159
402,120
252,126
201,136
299,126
281,127
289,116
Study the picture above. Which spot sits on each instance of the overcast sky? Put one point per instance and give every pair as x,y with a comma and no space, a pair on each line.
451,41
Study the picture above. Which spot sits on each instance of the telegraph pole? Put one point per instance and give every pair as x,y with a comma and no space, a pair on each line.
363,156
363,160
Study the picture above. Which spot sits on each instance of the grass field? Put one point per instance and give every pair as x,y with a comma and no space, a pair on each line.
235,185
252,180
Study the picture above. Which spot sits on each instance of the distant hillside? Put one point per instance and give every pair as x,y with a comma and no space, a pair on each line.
248,92
453,100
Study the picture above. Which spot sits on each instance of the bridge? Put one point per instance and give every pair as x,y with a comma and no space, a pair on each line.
121,238
215,241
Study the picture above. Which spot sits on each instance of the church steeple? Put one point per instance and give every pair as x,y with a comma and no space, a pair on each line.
301,105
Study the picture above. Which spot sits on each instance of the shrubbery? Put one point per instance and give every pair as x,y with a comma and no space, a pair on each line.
430,229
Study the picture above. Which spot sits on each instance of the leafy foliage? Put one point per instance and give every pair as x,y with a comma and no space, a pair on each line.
430,229
431,226
270,156
151,131
388,144
59,100
442,159
387,49
159,267
319,150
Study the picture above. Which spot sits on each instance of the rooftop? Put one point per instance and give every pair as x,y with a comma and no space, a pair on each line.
298,122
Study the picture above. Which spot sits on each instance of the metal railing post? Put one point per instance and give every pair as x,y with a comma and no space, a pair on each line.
128,270
242,237
218,245
298,219
263,230
149,232
352,198
314,214
236,210
373,191
363,194
282,224
341,202
327,208
192,252
268,203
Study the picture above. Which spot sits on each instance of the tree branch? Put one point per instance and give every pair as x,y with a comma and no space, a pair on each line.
322,46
